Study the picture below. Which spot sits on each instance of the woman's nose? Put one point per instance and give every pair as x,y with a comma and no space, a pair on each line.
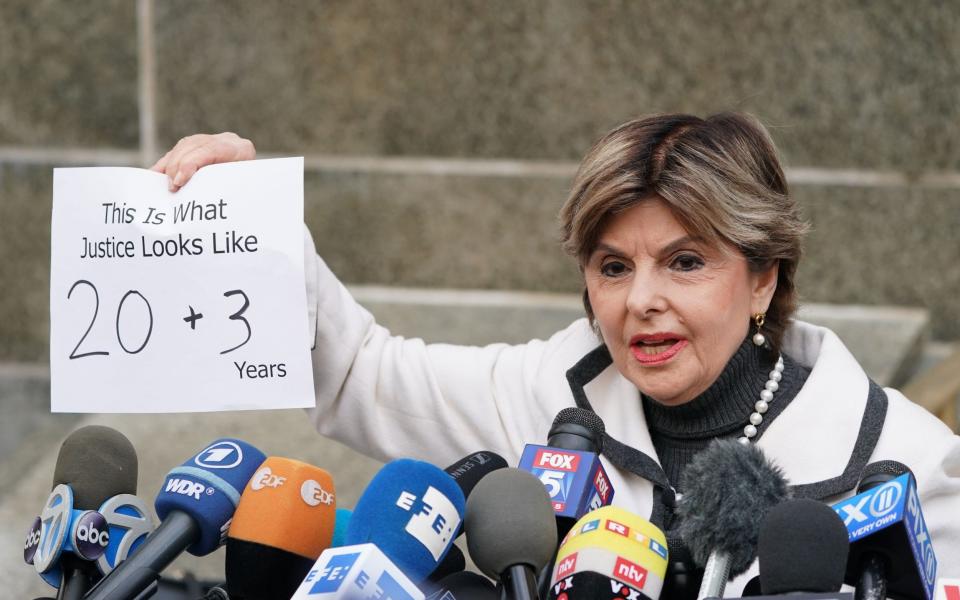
646,296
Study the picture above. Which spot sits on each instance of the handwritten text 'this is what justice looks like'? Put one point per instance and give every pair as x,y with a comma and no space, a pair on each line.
227,242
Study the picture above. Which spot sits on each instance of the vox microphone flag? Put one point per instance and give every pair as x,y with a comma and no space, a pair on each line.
611,552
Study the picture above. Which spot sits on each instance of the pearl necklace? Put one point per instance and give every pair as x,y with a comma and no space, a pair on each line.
762,405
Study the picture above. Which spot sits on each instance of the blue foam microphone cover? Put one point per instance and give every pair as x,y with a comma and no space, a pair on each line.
207,486
340,527
411,511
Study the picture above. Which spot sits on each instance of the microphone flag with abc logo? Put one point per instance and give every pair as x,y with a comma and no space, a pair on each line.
94,464
285,519
60,529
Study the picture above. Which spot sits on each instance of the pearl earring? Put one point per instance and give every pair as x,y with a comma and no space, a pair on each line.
758,338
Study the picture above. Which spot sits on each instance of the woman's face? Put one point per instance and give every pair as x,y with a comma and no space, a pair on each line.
672,309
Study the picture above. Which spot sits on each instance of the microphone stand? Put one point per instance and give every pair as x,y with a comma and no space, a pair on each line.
519,583
873,579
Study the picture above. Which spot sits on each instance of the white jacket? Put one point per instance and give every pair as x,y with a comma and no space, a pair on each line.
390,397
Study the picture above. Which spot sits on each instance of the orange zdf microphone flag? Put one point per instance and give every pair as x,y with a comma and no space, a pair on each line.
288,505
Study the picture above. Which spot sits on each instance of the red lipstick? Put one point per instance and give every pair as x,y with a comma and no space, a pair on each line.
666,345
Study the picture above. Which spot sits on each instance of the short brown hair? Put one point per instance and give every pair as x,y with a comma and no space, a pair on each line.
721,178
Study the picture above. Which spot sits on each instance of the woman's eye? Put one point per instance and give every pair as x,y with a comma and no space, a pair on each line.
687,262
613,268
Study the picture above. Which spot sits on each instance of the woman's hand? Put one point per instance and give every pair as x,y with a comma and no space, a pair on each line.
200,150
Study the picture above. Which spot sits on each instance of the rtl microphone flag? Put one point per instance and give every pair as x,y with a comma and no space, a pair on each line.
354,573
887,519
575,480
628,553
411,510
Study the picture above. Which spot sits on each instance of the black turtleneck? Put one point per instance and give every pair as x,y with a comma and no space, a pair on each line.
723,410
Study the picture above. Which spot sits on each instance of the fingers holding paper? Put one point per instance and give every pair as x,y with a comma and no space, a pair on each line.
196,151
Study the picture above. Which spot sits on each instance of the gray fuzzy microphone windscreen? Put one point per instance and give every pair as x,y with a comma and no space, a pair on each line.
97,463
510,521
728,489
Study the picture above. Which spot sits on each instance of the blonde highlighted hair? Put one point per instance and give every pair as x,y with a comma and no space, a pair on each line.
722,180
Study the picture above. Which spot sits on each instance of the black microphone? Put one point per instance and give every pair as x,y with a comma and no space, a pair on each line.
891,553
511,530
802,548
729,488
576,428
452,562
469,470
464,585
95,463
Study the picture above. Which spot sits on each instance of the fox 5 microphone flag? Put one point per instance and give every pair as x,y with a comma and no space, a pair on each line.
575,480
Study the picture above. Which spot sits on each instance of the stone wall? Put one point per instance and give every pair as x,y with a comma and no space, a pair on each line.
441,135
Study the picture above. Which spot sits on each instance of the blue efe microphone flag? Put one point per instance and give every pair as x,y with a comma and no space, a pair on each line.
411,511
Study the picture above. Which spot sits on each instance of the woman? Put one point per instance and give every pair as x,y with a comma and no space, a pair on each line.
688,241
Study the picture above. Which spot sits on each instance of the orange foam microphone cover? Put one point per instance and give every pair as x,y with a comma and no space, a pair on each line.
284,520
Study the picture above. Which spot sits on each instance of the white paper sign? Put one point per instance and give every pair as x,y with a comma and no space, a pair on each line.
179,302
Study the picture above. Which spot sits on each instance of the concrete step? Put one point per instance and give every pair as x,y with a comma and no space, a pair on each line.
885,340
499,233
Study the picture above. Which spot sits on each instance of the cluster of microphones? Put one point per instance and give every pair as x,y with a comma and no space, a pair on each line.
544,530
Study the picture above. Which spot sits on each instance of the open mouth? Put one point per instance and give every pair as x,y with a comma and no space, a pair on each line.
653,348
657,350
